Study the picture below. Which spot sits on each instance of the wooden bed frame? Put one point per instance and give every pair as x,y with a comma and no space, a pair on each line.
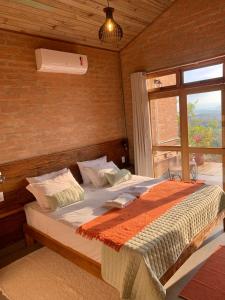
12,217
93,267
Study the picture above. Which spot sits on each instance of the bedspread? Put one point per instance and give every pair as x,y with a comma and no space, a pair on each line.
136,269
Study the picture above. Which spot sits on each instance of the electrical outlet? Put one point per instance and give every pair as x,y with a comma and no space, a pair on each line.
1,197
123,158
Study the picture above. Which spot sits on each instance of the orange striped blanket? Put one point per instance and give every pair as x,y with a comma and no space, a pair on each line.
117,226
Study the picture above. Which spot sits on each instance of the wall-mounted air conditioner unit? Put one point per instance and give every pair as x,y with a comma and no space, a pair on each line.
60,62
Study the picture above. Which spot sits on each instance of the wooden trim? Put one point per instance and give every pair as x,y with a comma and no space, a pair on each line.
94,267
206,63
184,136
206,150
7,213
74,256
163,94
223,130
166,148
206,86
192,64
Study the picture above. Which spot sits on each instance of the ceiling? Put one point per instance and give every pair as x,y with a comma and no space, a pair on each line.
79,20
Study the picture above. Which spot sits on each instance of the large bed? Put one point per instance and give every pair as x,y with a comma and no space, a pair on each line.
60,225
57,230
155,252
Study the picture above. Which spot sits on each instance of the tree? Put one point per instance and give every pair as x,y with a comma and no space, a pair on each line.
202,132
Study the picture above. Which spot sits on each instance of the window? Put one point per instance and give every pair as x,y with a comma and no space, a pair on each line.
187,125
206,73
209,167
205,120
165,122
167,164
157,82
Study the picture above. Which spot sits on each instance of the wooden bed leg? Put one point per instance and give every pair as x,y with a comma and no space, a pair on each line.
29,240
224,224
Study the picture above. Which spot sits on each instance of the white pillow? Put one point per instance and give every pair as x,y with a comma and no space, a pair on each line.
97,174
52,186
46,176
88,164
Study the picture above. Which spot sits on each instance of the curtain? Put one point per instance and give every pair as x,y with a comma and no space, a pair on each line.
141,125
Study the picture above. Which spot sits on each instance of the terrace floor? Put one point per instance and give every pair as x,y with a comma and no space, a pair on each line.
211,173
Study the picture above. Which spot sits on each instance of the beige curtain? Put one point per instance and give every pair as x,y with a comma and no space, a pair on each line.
141,125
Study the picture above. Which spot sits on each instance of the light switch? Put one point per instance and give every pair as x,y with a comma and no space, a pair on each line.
1,196
123,158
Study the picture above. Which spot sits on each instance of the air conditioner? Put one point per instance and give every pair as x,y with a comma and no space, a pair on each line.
60,62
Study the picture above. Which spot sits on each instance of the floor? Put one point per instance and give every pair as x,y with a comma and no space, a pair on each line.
174,285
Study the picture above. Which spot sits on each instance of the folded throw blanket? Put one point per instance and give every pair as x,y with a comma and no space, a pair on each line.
120,202
116,227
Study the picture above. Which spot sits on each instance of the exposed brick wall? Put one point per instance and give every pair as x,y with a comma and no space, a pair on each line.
190,30
43,113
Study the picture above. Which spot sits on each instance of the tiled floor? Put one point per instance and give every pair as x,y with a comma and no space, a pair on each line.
174,285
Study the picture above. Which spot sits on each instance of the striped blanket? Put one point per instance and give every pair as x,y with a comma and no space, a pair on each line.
117,226
136,269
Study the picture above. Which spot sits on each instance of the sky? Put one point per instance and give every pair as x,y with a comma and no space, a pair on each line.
206,101
210,100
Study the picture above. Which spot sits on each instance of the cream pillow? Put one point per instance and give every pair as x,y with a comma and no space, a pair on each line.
60,187
88,164
46,176
97,174
115,178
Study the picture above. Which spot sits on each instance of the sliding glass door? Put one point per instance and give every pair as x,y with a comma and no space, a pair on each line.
187,121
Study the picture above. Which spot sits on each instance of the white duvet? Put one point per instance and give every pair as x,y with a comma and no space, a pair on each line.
62,223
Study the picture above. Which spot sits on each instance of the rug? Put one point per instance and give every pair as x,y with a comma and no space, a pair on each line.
209,282
45,275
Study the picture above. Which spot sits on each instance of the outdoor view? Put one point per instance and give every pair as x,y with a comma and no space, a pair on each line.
204,130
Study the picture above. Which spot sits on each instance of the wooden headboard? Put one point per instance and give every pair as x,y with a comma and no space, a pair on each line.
14,188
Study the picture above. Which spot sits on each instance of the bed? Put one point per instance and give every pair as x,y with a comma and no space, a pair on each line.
60,225
54,231
57,231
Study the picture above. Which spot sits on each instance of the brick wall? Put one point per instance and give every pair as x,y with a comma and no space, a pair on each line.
43,113
189,31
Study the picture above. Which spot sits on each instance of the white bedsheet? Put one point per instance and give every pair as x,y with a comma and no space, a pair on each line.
61,224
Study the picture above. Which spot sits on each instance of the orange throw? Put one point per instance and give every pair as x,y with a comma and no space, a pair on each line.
117,226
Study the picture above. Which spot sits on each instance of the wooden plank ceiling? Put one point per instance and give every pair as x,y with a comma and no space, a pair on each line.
79,20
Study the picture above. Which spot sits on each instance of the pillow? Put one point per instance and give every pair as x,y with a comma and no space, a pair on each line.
118,177
97,174
65,197
46,176
88,164
57,192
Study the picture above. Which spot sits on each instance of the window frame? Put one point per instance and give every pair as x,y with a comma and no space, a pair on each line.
182,90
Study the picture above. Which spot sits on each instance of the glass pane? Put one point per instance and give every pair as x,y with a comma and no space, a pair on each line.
204,73
204,120
167,164
207,167
165,120
161,81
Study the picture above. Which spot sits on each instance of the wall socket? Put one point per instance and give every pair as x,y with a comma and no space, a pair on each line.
1,197
123,159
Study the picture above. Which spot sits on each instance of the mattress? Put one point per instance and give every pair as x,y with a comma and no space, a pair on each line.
62,223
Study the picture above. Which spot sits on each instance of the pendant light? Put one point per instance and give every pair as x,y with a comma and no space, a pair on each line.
110,31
